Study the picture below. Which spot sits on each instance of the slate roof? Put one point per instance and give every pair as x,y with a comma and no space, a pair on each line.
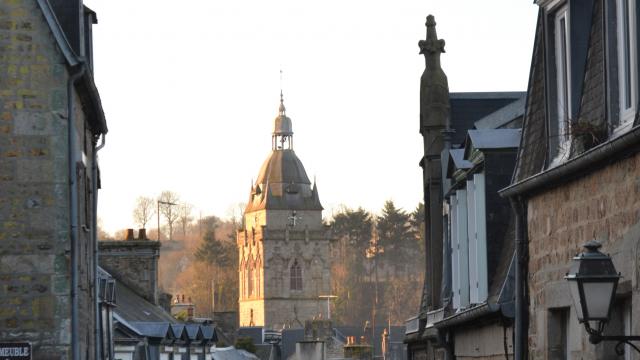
134,308
282,184
503,116
469,107
532,152
230,353
194,332
86,86
154,329
486,139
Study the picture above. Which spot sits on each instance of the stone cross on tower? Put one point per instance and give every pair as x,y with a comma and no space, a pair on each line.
293,218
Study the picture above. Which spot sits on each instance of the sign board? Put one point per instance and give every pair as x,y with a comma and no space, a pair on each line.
15,351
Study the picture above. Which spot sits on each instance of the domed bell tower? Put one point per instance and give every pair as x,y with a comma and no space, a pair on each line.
282,136
284,248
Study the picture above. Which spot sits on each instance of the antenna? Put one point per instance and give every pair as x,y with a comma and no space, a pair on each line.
281,81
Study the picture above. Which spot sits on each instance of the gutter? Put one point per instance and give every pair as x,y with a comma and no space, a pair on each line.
94,235
468,315
521,310
73,212
573,168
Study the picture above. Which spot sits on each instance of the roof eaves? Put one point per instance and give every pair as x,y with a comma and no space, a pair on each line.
487,95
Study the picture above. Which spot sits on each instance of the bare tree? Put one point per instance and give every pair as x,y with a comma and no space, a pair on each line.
144,210
166,201
184,216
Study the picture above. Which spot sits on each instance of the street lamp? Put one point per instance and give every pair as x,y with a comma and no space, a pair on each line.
593,281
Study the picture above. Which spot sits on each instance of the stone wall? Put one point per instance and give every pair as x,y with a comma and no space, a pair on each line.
604,205
35,273
134,263
273,256
483,341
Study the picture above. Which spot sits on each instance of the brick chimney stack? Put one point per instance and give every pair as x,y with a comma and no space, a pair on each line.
133,262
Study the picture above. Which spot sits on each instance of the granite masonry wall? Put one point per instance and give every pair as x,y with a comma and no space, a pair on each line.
604,205
35,272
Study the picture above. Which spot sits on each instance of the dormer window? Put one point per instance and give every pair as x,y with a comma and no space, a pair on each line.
562,54
627,60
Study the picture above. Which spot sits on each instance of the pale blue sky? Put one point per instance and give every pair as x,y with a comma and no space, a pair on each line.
190,90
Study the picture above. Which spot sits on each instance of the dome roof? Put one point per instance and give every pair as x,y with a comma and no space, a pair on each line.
282,166
282,125
283,184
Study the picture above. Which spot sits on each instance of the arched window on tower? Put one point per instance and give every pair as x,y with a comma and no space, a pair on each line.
257,272
296,276
250,280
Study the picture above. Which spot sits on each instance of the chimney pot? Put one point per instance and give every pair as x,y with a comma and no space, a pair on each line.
142,234
129,234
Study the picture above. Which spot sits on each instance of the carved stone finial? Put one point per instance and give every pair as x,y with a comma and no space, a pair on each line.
432,44
434,88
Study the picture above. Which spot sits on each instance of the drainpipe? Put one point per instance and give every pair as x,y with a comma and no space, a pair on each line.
73,213
94,235
519,348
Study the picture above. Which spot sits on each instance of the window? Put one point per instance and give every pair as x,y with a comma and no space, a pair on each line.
558,334
627,323
296,276
563,76
627,60
250,280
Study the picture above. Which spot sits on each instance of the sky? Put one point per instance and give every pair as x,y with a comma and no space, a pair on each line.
190,90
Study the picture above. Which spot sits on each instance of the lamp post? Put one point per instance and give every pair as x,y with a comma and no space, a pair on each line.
158,212
593,281
328,297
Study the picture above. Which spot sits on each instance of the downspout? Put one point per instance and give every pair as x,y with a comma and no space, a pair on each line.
519,348
73,195
94,235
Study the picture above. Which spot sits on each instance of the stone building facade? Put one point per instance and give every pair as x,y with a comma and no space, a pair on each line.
51,121
577,172
284,248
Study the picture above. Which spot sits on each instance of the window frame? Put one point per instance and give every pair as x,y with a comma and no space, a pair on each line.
562,66
295,276
627,62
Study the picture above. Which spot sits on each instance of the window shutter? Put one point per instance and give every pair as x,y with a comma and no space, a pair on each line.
471,233
481,236
455,281
463,251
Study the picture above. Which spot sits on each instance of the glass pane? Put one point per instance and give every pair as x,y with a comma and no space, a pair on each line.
575,294
626,53
598,296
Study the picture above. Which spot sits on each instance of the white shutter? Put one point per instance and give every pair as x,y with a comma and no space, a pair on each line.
463,248
455,281
481,236
471,232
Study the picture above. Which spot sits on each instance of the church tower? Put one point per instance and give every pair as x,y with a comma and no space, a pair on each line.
284,254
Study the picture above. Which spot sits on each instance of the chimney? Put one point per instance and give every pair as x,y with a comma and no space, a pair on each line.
134,263
142,234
